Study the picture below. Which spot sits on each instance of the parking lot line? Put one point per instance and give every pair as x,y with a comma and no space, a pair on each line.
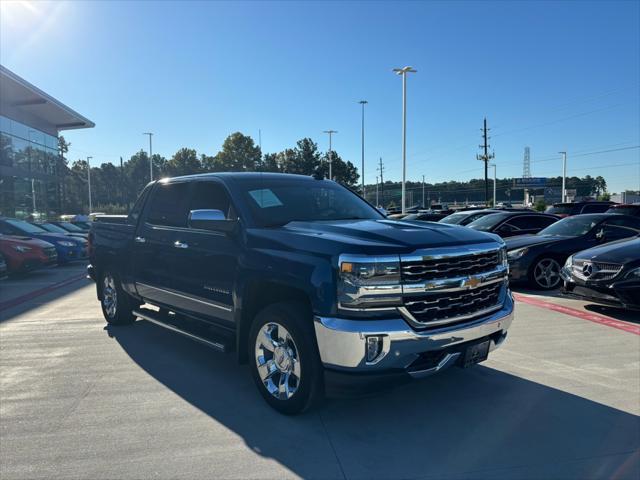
36,293
591,317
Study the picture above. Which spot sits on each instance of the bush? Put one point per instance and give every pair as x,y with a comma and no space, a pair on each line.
540,206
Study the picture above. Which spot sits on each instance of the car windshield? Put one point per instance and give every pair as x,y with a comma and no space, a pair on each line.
277,203
454,218
50,227
572,226
70,227
487,222
26,226
627,210
559,209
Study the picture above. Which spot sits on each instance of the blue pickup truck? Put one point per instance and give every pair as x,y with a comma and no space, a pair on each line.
305,281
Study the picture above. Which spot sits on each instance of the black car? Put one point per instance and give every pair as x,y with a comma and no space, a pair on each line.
578,208
625,209
511,223
537,259
53,227
467,216
3,267
426,216
608,274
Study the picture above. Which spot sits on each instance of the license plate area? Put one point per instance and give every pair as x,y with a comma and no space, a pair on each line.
476,353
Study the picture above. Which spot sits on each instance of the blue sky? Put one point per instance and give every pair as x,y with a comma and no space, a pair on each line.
549,75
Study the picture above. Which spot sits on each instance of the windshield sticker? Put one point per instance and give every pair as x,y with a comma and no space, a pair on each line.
265,198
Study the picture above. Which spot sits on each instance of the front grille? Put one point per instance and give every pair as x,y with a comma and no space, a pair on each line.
449,267
599,270
448,307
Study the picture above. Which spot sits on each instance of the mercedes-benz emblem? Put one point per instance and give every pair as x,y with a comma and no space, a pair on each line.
587,269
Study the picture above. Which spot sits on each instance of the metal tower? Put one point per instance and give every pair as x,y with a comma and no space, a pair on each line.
526,169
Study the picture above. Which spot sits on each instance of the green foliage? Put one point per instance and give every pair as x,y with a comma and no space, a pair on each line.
540,205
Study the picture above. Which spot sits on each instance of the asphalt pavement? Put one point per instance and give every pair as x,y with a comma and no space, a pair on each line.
560,399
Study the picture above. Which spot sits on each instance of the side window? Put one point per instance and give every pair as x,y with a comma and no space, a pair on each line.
169,205
622,227
211,196
135,212
540,222
595,208
521,223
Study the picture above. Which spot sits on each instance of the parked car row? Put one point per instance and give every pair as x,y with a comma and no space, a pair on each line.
27,246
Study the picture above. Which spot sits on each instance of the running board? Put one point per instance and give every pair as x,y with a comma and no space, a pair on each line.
155,317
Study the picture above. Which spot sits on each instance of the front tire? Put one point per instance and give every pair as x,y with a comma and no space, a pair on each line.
284,359
117,305
545,274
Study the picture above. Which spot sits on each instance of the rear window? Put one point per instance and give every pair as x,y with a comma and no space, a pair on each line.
595,208
560,209
626,210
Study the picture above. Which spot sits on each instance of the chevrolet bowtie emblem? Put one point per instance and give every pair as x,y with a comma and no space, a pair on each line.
471,282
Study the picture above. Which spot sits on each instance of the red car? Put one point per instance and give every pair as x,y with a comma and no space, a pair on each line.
23,254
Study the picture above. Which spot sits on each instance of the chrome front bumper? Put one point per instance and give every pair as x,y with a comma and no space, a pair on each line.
342,342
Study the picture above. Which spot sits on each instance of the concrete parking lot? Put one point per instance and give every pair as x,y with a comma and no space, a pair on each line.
561,399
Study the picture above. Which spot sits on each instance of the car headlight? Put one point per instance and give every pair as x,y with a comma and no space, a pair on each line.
21,248
569,262
633,274
64,243
504,261
369,281
517,253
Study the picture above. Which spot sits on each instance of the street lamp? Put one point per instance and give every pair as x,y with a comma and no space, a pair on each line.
564,175
363,103
403,72
330,132
150,156
494,183
422,191
89,181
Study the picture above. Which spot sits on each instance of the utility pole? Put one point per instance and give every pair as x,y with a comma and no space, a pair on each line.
89,182
150,156
377,198
564,176
33,196
485,158
363,103
381,170
403,72
494,183
422,191
330,132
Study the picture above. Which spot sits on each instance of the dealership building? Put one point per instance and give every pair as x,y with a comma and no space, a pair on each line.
31,167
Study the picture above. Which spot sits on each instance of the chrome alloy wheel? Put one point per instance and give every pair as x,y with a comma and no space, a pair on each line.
277,361
547,273
109,296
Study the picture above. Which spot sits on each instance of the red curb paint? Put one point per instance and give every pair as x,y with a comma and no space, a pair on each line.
36,293
591,317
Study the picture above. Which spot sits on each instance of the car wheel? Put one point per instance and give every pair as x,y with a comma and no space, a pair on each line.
545,274
117,305
285,363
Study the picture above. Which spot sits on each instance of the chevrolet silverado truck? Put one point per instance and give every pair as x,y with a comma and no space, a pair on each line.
303,280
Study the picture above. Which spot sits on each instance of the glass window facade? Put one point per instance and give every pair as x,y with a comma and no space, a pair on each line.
29,161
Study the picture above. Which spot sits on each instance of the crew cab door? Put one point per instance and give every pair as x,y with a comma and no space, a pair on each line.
156,252
209,258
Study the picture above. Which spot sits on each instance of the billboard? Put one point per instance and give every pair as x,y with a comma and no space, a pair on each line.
531,182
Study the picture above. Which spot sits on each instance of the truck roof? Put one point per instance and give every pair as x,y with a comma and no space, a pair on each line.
248,176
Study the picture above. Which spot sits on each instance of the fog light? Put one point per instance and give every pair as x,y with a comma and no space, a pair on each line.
374,348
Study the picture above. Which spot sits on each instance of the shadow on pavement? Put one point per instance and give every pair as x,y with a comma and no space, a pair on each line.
474,423
614,312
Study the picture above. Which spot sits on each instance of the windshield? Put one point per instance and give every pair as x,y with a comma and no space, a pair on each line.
454,218
487,222
26,226
572,226
559,209
70,227
628,210
278,203
50,227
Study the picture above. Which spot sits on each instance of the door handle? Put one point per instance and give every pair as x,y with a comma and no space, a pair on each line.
140,240
179,244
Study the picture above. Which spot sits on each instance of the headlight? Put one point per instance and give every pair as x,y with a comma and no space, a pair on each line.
517,253
503,257
569,262
64,243
633,274
21,248
369,281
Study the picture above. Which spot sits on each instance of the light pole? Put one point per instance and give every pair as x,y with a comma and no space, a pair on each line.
494,183
330,132
403,72
89,181
33,196
564,176
363,103
422,191
150,156
377,198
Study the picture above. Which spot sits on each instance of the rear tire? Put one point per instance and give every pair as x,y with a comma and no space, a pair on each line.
117,305
284,359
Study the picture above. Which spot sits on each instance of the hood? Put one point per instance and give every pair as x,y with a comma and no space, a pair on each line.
26,241
520,241
372,236
622,251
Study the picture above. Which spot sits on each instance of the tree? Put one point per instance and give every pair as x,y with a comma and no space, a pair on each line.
270,163
303,160
184,162
238,154
343,172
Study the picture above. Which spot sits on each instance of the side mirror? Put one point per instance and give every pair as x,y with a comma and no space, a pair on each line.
213,220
